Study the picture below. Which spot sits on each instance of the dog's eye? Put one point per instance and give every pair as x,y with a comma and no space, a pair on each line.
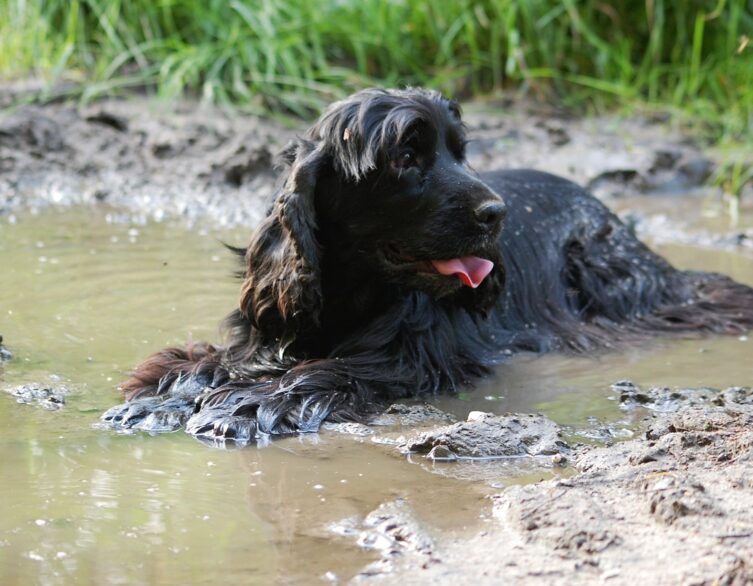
461,149
405,159
457,148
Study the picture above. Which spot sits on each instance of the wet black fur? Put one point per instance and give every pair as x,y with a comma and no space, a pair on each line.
334,320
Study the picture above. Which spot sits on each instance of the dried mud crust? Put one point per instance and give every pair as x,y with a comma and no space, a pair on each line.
674,506
48,396
205,164
153,160
393,531
487,436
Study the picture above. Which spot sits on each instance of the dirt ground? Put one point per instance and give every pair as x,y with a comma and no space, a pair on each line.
182,160
673,506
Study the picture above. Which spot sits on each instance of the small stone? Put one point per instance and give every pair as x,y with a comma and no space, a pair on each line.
559,460
441,453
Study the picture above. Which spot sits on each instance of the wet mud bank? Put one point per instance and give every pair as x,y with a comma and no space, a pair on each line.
149,161
202,164
671,506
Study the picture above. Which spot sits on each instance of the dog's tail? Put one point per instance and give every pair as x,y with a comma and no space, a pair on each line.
714,304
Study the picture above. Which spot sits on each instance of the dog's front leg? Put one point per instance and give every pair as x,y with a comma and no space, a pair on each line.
299,401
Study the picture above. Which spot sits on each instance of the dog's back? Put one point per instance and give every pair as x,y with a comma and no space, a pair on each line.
579,279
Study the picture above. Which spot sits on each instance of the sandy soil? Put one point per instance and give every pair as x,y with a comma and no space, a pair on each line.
672,507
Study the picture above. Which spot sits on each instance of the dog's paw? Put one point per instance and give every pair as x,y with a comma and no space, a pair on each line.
128,415
168,411
151,414
219,426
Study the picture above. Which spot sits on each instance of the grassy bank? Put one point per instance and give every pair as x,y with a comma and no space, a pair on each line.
295,55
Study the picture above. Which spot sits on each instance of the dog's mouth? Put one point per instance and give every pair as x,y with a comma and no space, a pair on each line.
470,269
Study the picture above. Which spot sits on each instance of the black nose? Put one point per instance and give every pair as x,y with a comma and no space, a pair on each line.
491,213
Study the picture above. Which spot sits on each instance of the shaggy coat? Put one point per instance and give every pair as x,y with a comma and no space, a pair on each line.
388,269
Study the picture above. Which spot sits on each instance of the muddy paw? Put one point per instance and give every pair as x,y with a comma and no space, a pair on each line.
166,412
219,425
127,415
152,414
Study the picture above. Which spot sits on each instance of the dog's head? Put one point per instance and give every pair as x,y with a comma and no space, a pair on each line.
379,182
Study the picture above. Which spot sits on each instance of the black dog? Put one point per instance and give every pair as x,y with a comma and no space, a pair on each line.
382,272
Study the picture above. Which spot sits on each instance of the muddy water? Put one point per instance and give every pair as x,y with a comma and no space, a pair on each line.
84,298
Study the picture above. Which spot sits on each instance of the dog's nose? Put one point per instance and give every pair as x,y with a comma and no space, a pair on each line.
491,213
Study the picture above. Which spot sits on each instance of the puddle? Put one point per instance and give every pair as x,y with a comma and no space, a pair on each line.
84,299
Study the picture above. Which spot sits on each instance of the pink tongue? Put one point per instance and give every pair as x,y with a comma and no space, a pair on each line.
472,270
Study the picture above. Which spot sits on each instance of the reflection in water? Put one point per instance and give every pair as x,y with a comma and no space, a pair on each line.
85,300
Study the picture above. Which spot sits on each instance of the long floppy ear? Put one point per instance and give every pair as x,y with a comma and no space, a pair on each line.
281,294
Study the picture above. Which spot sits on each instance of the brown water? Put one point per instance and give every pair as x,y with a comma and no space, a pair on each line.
83,299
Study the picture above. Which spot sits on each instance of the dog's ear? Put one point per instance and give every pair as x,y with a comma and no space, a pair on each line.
281,293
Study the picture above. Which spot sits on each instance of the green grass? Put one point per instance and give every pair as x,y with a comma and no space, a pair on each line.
296,55
731,177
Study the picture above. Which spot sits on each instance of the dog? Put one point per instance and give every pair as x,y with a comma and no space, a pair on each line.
388,269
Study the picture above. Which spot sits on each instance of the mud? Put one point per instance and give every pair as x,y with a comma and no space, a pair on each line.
670,507
612,156
485,436
392,530
388,426
412,416
665,399
50,397
663,229
153,160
